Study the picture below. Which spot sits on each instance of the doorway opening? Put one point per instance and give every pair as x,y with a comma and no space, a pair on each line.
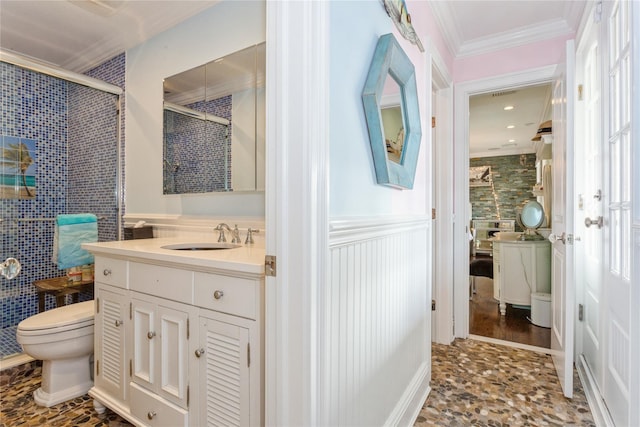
509,168
502,86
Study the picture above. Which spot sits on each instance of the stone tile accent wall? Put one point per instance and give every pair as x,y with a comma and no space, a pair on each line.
512,182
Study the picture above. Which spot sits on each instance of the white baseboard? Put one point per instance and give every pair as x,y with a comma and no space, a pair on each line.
596,404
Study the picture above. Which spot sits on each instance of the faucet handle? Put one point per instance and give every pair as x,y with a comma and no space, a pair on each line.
249,239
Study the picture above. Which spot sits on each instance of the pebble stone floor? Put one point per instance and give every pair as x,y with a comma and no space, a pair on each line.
480,384
473,384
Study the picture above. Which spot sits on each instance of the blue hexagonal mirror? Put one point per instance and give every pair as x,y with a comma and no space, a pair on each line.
390,101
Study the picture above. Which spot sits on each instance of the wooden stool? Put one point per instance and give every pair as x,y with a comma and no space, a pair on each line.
59,287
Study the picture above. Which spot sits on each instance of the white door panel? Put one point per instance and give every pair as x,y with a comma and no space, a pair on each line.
562,273
617,229
588,186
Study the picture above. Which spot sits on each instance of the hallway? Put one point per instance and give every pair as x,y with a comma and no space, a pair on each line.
481,384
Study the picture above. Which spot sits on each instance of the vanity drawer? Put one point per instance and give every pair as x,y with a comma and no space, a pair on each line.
164,282
231,295
152,410
111,271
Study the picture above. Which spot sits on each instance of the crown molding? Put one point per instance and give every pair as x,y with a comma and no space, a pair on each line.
521,36
448,25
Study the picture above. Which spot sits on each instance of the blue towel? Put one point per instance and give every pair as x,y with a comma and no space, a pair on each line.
71,231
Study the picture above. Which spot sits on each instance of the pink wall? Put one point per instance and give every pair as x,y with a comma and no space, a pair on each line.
509,60
425,23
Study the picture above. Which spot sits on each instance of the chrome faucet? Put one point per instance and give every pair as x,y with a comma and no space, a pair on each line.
220,228
236,235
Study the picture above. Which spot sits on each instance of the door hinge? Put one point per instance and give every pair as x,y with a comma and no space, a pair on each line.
187,328
130,367
248,355
433,305
433,213
433,122
187,396
580,89
97,367
130,310
270,265
580,312
97,305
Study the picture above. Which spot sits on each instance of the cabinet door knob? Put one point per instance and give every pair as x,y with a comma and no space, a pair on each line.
218,294
151,334
106,272
118,322
199,352
151,415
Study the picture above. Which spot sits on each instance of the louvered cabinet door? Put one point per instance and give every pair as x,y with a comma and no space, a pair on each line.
225,383
110,332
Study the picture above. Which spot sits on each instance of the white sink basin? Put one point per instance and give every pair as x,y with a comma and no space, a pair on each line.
508,235
200,246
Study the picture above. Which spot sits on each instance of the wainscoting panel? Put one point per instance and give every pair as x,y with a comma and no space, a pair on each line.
377,332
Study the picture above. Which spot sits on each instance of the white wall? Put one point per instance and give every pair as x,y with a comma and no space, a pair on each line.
225,28
355,29
376,303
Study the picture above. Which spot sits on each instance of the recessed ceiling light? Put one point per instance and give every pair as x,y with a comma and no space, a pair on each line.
508,108
510,127
512,140
494,148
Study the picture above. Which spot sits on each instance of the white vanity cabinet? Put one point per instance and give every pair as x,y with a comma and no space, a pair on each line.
520,269
110,324
178,344
160,356
110,361
231,363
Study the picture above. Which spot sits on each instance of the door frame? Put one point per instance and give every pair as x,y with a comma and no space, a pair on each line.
297,206
462,215
442,179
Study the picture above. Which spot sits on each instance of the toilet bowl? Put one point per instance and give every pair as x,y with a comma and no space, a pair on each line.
63,339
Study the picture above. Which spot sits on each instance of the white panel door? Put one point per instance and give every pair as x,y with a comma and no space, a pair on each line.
617,24
562,280
588,162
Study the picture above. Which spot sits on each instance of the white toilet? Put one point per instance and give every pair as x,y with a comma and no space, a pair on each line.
63,339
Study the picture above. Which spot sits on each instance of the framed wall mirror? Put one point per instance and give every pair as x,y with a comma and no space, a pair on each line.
213,125
390,101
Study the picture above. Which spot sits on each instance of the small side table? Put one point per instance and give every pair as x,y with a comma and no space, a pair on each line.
59,288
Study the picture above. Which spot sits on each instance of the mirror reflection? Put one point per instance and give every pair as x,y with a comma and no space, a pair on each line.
392,119
214,125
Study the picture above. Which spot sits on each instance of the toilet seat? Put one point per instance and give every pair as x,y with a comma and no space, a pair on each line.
59,323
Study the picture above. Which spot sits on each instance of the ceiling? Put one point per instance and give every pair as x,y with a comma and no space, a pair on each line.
80,34
494,131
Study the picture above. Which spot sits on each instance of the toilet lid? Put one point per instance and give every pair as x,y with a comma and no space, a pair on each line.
68,317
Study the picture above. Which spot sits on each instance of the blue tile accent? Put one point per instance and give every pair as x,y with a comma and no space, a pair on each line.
74,129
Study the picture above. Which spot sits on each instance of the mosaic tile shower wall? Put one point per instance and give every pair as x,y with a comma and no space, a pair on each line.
44,108
513,178
197,152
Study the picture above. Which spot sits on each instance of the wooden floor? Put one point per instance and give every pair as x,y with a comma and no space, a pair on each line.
485,319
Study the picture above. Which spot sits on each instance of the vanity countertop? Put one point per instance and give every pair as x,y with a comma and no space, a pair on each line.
244,259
